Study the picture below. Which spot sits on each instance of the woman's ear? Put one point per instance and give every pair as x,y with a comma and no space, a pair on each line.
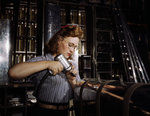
60,40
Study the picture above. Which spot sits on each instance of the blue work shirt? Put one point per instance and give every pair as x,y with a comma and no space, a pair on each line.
55,89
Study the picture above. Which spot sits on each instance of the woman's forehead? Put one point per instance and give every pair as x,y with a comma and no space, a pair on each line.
72,39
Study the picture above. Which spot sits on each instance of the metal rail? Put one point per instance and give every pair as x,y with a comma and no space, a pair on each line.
134,67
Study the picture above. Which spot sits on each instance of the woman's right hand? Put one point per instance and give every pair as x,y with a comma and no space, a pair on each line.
55,66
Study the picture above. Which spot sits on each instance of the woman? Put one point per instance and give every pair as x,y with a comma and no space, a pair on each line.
57,89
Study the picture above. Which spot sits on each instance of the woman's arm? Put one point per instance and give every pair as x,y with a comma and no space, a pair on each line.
25,69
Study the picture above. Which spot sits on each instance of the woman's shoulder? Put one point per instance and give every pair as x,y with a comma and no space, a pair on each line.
41,58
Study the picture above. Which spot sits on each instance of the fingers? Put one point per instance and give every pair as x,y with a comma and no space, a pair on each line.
73,71
56,67
71,75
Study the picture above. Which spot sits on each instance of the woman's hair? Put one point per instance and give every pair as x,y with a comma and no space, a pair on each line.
65,31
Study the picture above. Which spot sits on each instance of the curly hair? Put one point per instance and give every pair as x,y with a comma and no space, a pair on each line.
65,31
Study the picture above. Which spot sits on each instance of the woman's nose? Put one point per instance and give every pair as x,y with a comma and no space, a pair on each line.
72,49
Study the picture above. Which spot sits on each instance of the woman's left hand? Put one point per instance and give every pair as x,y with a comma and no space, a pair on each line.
71,75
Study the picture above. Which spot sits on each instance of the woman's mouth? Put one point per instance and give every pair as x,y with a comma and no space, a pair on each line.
69,54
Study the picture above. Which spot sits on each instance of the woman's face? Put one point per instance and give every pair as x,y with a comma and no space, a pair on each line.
67,46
